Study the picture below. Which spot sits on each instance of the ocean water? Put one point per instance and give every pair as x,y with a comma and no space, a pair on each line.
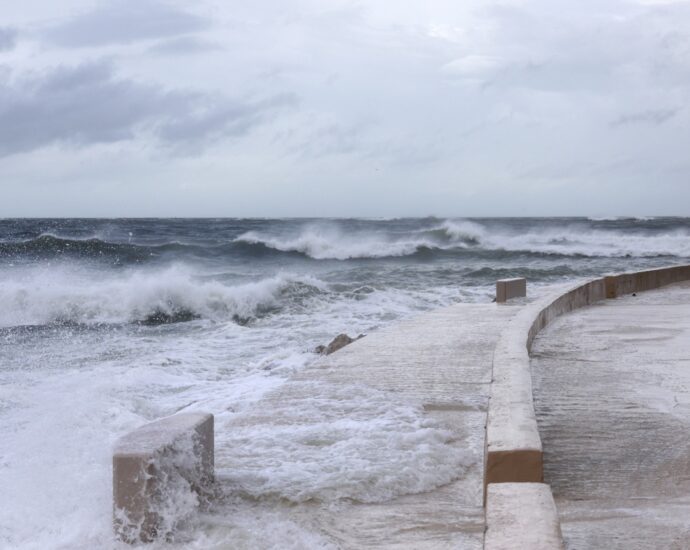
107,324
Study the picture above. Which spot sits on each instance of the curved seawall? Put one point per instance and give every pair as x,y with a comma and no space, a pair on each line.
612,400
513,445
514,450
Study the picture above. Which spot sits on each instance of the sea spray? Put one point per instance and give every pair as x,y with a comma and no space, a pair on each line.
65,294
329,442
79,368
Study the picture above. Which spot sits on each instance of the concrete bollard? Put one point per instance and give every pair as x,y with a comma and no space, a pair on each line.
507,289
161,471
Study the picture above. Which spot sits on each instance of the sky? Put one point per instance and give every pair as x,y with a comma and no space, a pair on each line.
344,108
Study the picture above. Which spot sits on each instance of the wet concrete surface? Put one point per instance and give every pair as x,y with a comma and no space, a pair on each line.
440,364
612,397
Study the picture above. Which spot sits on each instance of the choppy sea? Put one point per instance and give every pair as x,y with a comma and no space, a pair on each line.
108,323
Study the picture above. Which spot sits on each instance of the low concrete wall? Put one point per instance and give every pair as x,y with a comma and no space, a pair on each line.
521,515
514,456
155,470
513,446
507,289
627,283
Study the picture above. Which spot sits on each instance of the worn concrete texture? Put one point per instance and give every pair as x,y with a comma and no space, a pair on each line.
521,515
440,365
612,397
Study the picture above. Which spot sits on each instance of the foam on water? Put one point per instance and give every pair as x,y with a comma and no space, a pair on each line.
59,427
327,241
80,366
65,294
577,241
329,442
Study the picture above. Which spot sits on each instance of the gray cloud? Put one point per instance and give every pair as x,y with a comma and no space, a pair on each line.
124,21
8,38
209,118
88,104
654,117
184,45
458,99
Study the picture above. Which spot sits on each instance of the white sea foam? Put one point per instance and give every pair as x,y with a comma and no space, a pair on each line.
329,442
462,231
328,241
62,409
323,243
575,240
38,296
66,394
619,218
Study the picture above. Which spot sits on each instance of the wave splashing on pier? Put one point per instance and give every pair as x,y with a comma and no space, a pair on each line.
107,324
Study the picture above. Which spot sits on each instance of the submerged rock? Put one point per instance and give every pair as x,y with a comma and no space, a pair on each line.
160,317
338,342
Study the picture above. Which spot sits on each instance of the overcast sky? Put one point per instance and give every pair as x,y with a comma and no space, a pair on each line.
341,108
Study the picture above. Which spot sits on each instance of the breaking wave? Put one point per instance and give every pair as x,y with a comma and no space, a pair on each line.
332,242
353,240
65,296
620,218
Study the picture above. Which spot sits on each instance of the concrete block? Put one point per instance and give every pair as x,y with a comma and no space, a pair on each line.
521,515
507,289
161,471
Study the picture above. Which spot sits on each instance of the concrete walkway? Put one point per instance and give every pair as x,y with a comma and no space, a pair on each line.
612,397
440,363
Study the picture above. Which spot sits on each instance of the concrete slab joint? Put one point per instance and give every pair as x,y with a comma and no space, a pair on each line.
162,473
507,289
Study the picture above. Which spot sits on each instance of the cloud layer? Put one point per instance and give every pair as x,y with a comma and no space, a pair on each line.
455,108
8,38
89,104
124,22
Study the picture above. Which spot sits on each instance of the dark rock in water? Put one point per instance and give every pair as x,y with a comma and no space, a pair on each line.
338,342
242,321
160,317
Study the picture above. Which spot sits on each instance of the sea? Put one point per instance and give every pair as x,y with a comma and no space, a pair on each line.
106,324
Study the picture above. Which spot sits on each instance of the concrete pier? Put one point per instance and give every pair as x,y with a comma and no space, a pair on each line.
439,362
612,397
465,418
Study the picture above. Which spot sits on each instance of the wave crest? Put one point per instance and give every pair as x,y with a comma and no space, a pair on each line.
61,295
330,242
